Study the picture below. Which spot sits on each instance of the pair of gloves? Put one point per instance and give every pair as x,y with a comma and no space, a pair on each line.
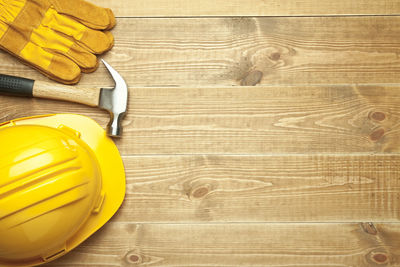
60,38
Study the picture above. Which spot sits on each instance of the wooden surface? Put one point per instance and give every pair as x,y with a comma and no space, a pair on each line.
164,8
258,244
247,120
249,141
204,52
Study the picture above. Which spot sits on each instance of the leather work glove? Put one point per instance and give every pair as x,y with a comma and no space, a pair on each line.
60,38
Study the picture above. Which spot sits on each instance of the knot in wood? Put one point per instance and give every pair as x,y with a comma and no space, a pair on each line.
275,56
369,228
377,134
378,116
380,258
133,257
200,192
252,78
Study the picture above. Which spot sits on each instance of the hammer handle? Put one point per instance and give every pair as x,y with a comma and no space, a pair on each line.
87,96
25,87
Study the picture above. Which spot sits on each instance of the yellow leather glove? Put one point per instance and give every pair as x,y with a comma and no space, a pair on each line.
60,38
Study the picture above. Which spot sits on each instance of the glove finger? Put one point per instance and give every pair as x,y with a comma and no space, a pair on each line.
94,41
97,42
50,40
88,14
56,67
86,61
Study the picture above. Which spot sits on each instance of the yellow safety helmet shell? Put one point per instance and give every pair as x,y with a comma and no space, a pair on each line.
61,179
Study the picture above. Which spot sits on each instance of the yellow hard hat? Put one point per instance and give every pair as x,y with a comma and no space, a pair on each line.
61,179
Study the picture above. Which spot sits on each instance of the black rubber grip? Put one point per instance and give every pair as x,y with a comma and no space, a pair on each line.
12,85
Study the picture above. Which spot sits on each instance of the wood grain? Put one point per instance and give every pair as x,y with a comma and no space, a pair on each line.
249,141
51,90
287,244
276,188
176,8
245,120
247,51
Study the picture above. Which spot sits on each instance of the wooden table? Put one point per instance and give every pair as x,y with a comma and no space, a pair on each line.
249,140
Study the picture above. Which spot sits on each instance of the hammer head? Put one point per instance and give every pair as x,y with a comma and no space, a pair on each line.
114,100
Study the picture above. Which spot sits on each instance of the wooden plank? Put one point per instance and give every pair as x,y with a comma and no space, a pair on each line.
245,120
276,188
247,51
176,8
120,244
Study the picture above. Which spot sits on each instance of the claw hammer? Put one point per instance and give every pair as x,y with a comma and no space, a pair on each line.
114,100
